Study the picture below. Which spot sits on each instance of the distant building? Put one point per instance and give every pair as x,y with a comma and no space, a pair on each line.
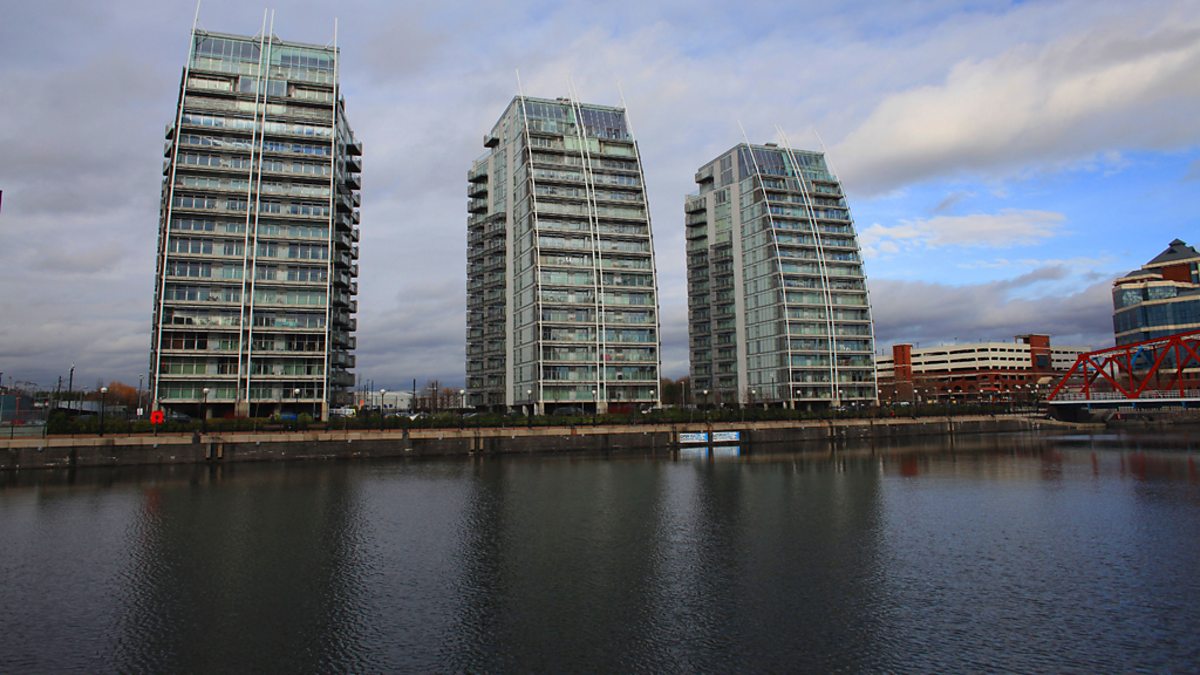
973,372
562,303
390,401
777,298
257,241
1161,298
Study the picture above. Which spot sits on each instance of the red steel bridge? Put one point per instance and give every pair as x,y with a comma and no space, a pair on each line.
1160,373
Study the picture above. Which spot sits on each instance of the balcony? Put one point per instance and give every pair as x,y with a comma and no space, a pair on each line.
354,181
695,203
356,199
477,189
354,149
478,206
354,164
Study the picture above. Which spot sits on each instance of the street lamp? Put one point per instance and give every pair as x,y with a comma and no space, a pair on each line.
204,412
595,406
139,405
529,410
705,393
382,405
462,408
103,395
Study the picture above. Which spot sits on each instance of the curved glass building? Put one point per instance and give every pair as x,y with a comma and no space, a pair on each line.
562,301
258,234
778,305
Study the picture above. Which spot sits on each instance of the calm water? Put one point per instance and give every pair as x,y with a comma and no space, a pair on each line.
1012,552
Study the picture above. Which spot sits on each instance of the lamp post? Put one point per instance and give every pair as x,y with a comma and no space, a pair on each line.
204,412
529,410
595,406
462,408
139,404
382,398
70,385
103,395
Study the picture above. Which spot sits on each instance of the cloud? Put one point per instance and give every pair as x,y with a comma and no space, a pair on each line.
929,312
1124,83
1006,229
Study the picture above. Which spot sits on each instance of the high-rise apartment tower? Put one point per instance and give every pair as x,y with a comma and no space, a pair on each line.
778,308
562,308
257,243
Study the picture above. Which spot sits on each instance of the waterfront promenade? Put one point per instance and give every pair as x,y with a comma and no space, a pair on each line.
243,446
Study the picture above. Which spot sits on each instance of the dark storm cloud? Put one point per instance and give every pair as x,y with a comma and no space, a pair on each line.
929,312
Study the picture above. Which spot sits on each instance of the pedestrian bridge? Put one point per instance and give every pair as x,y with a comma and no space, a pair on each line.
1161,374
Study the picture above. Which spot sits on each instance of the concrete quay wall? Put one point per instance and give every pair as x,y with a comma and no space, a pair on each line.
95,451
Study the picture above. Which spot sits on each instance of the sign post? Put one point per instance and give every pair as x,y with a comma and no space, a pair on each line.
157,418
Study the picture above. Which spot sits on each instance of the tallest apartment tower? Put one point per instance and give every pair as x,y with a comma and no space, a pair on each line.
257,242
562,302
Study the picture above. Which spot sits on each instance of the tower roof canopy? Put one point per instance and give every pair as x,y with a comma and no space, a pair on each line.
1177,251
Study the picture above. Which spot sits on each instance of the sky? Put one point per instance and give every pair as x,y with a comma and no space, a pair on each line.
1003,161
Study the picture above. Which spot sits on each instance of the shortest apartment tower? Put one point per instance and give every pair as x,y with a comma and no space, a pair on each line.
562,302
257,241
778,307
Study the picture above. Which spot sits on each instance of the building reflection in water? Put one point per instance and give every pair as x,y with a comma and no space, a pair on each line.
243,567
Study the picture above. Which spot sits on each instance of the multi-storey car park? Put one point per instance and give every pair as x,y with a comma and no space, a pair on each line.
258,233
562,302
778,306
973,372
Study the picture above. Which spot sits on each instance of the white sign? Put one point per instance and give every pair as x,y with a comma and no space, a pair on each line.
726,436
693,437
140,412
